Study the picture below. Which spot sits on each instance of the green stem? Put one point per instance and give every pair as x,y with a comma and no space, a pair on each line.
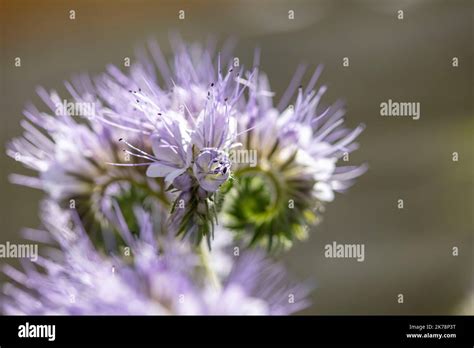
204,256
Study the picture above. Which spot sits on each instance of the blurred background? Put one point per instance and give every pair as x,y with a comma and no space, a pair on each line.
407,251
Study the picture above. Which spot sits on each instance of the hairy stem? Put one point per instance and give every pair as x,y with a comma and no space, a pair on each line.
204,256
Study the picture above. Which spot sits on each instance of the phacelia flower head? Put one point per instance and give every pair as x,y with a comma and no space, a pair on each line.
169,132
299,147
159,275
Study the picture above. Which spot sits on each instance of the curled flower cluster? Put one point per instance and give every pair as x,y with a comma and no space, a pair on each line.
162,277
163,151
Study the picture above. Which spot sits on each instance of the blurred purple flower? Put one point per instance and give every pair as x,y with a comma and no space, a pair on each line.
162,276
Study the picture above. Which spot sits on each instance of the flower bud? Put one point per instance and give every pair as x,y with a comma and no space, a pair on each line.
211,168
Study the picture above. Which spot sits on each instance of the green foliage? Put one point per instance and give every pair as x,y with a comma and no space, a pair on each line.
193,213
263,208
127,195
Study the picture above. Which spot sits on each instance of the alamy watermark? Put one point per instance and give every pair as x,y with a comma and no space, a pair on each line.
28,330
83,109
20,251
243,156
393,108
345,251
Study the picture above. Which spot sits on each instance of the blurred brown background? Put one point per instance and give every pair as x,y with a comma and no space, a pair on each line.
407,251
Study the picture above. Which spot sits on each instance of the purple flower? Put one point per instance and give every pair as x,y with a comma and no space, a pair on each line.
161,276
300,148
172,153
212,169
161,151
302,136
